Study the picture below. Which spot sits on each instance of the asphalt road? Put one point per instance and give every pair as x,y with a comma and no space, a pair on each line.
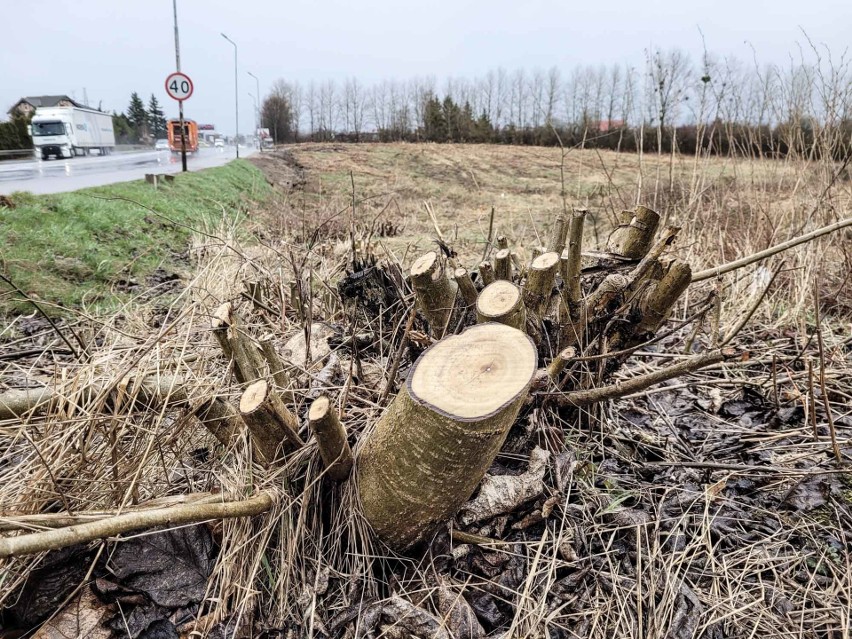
57,176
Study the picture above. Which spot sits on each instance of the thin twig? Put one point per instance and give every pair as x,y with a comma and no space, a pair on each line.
773,250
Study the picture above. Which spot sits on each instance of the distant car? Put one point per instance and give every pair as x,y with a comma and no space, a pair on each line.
219,143
161,145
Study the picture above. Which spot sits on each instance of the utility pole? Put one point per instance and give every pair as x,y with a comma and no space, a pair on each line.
259,120
180,102
236,98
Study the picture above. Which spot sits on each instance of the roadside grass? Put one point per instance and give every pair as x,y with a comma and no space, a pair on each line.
90,247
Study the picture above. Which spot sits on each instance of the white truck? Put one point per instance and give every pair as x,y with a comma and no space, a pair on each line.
68,131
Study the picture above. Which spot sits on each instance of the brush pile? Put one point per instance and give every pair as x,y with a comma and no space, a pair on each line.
431,452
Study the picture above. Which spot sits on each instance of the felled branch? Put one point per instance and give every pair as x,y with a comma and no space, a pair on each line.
641,382
151,390
172,516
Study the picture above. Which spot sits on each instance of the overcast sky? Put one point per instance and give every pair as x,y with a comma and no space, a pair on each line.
114,47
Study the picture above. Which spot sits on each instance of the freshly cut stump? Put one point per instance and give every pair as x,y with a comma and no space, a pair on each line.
540,282
503,264
434,443
502,302
331,438
269,422
634,236
435,292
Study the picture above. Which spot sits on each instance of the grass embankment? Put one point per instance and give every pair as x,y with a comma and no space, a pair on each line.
92,246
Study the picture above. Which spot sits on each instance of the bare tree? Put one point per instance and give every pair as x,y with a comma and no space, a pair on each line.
313,109
668,73
553,85
353,107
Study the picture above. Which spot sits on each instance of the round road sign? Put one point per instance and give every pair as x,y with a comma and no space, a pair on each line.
179,86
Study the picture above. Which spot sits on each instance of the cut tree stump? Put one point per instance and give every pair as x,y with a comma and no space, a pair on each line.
331,439
269,422
503,264
434,443
466,287
436,293
237,345
663,295
486,273
633,237
502,302
540,282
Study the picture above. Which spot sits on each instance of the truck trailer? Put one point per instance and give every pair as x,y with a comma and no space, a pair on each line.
68,131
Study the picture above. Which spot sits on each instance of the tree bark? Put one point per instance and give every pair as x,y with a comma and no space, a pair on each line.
219,324
633,238
112,526
152,390
434,443
557,238
17,403
237,345
572,261
661,298
220,418
466,287
276,368
581,398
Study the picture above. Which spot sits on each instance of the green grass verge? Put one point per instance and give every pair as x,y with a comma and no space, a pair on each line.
73,248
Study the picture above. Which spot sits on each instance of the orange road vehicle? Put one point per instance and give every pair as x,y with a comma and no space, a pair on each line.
190,129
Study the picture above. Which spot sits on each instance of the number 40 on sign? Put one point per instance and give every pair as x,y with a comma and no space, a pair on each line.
179,86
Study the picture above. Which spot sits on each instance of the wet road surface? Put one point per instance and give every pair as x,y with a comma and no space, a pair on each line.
57,176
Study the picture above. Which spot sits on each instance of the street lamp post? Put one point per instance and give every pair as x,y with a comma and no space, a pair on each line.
236,97
254,101
259,121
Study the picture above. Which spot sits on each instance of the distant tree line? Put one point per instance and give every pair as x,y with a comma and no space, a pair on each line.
13,134
139,124
715,105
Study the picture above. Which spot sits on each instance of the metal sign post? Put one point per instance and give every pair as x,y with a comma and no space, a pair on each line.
180,102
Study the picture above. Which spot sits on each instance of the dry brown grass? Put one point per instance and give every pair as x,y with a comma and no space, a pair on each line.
630,576
727,207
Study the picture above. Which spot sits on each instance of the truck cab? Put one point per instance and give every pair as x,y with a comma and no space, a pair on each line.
51,136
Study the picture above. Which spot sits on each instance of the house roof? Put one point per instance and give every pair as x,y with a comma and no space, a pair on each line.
44,101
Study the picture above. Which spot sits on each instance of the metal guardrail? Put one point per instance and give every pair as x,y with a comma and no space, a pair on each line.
11,154
15,152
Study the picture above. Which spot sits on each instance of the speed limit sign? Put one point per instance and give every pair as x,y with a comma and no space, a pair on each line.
179,86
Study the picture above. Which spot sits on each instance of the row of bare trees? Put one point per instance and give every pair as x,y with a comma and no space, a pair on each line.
670,102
